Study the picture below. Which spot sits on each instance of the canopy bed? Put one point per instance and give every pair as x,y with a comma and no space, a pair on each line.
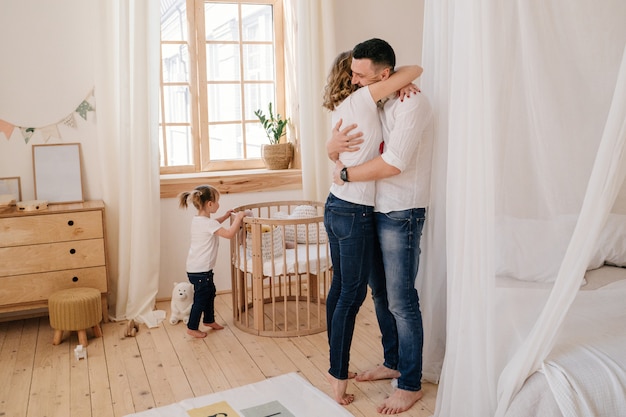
530,104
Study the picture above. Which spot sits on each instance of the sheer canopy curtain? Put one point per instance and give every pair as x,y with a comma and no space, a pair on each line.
530,105
310,44
127,76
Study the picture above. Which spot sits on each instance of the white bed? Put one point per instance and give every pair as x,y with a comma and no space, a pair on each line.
585,373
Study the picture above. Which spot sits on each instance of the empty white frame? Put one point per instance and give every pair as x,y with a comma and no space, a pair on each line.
58,173
11,185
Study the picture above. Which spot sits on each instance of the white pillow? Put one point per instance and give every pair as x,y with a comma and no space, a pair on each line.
299,234
290,230
533,249
305,212
611,244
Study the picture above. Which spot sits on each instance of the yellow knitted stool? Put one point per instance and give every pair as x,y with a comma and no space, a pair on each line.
75,309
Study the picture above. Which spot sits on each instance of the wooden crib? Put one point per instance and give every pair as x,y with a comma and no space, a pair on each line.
281,269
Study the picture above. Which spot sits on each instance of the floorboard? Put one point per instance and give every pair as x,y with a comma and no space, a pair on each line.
162,365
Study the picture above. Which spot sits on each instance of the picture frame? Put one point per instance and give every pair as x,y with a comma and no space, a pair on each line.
12,186
58,172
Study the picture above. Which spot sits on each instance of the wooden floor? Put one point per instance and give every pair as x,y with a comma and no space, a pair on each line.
163,365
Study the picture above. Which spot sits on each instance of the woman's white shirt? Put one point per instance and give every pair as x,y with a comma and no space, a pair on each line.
361,109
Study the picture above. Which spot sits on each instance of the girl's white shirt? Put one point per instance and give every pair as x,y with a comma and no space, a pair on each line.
204,244
360,108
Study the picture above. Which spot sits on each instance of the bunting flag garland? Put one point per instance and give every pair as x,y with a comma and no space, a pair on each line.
51,131
83,108
6,128
27,132
69,121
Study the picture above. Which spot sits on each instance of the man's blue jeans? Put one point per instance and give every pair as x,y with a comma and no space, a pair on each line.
395,298
203,299
352,238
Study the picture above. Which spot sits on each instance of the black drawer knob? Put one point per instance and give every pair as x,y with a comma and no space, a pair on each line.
70,223
72,251
75,279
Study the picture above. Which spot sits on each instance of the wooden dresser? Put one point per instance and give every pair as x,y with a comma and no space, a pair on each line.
43,251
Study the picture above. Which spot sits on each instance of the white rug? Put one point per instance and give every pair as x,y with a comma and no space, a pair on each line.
287,395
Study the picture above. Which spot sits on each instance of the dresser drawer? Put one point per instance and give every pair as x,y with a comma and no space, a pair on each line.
34,288
47,228
19,260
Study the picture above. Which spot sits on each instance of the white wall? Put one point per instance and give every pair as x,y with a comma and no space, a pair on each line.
47,69
399,22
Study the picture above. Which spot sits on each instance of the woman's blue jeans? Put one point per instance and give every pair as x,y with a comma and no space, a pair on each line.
203,298
395,298
352,238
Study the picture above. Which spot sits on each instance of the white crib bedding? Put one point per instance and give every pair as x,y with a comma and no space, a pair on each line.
585,374
311,258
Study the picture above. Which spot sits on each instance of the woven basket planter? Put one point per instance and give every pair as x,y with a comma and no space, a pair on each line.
277,156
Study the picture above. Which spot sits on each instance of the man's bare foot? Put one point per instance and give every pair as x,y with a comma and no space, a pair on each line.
214,326
380,372
351,375
339,387
400,401
196,333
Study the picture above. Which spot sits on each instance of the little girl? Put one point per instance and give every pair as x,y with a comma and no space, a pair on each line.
203,253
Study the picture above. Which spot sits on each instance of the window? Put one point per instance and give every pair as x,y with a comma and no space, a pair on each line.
220,61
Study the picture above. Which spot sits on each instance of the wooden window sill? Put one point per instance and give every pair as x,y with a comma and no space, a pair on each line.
230,182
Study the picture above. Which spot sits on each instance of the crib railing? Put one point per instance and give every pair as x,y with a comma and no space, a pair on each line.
281,270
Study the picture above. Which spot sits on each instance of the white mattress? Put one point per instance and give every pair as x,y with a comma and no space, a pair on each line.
317,260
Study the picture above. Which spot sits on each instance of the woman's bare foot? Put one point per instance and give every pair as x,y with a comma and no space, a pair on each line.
351,375
380,372
214,326
400,401
196,333
339,387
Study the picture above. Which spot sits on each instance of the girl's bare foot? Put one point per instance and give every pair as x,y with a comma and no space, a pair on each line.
400,401
213,326
339,387
380,372
196,333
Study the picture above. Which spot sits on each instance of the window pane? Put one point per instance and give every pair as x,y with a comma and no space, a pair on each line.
222,62
257,22
179,145
255,137
173,20
225,142
258,96
221,22
177,104
258,62
175,63
224,102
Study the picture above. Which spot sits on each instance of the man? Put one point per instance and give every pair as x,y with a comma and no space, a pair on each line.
402,174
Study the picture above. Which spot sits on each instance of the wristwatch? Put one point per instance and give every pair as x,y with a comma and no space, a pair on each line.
344,174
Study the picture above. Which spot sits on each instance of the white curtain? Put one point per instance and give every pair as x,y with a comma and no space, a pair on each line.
310,44
530,103
127,85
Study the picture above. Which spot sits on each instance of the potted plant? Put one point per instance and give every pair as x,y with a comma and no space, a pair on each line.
276,154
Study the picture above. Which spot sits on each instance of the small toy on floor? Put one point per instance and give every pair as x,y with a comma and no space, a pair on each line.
182,299
80,352
131,329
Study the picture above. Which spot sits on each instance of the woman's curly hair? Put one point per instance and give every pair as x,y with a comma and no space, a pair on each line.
339,82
